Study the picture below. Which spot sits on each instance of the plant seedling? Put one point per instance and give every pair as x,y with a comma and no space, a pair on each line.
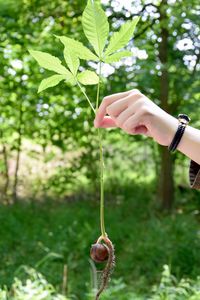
96,29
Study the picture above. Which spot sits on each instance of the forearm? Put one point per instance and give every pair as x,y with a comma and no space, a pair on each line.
190,144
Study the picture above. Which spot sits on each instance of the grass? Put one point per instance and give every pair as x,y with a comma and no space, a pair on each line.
144,239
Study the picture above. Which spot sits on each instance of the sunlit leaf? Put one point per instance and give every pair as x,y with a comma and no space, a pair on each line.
50,82
117,56
88,78
81,51
121,38
49,62
95,25
71,80
72,60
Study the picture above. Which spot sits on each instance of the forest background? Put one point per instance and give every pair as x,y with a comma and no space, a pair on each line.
49,164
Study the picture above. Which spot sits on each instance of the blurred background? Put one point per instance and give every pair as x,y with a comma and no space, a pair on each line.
49,180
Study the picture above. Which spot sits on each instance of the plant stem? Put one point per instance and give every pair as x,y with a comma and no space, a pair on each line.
101,162
98,88
82,90
103,231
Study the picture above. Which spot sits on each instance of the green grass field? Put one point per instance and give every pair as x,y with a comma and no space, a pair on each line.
46,236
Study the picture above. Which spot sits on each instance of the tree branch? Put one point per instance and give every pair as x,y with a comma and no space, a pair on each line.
145,29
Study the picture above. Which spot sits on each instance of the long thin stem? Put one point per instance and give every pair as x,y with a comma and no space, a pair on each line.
101,162
82,90
103,231
98,88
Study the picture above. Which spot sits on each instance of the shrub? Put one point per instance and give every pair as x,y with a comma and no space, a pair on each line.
172,289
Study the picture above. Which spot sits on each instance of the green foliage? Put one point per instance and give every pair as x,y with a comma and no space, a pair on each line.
35,286
49,62
117,56
95,26
172,289
72,60
143,239
88,78
50,82
81,51
118,290
121,38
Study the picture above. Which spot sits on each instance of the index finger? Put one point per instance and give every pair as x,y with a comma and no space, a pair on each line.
108,100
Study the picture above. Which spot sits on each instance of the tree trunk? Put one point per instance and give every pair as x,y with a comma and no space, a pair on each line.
19,142
7,178
6,170
166,184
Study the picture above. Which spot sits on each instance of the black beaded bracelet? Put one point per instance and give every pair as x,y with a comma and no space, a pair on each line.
183,122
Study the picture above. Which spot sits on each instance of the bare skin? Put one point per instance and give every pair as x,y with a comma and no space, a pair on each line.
134,113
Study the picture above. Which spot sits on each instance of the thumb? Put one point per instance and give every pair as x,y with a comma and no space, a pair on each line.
107,122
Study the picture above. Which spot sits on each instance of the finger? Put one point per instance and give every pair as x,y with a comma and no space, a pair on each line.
119,106
132,122
140,130
127,113
108,101
107,122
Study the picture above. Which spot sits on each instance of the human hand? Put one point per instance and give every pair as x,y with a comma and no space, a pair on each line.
136,114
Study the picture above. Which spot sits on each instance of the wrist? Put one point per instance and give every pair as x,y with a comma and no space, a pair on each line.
172,128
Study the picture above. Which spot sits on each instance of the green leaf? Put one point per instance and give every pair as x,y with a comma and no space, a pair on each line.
88,78
121,38
81,51
49,62
50,82
117,56
72,60
95,25
71,81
